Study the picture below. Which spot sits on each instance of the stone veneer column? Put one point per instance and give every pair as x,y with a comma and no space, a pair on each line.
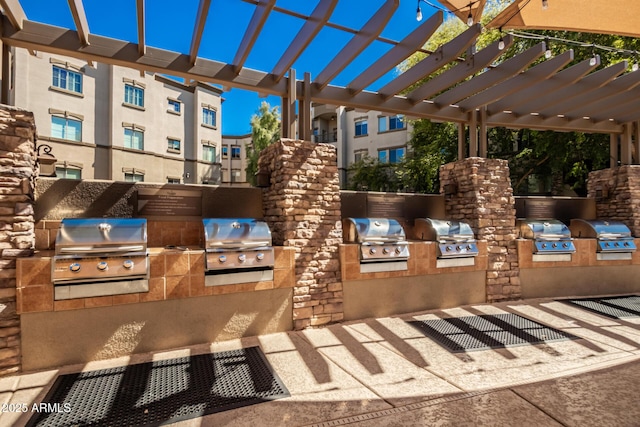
617,194
302,207
18,170
478,191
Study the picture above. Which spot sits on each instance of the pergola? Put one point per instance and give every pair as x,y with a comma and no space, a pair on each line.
549,95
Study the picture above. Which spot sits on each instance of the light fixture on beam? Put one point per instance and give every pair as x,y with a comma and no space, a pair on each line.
545,4
547,53
418,13
470,16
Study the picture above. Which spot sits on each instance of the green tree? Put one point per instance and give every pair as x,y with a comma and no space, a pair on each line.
265,130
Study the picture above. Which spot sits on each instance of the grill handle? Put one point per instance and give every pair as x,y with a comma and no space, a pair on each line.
240,244
93,249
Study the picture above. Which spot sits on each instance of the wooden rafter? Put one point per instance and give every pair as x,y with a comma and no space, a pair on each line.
80,19
258,19
141,30
198,29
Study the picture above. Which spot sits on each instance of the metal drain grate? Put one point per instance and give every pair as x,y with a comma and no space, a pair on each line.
155,393
615,307
461,334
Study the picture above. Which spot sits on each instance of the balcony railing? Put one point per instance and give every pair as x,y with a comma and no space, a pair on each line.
329,137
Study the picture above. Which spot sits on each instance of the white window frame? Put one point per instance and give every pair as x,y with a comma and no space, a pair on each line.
209,116
131,90
67,86
67,118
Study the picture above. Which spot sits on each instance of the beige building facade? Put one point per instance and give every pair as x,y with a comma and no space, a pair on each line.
233,159
108,122
359,134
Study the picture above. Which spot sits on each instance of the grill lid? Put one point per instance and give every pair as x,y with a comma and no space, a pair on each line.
371,230
87,236
236,233
599,229
543,229
443,230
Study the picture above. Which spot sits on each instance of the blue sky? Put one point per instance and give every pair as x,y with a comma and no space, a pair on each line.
169,25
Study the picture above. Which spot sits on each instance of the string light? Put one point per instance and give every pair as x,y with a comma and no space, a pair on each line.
635,66
545,4
469,17
501,41
547,53
419,13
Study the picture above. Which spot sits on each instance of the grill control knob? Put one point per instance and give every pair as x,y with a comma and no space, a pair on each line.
260,256
469,247
458,248
222,259
544,245
128,264
565,245
398,250
75,267
626,243
616,244
242,257
372,251
102,265
448,248
554,245
606,244
386,251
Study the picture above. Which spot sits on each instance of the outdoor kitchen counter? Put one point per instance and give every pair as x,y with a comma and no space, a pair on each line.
422,286
174,273
583,275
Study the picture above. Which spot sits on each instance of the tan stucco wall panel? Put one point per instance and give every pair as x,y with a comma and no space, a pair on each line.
386,297
579,281
78,336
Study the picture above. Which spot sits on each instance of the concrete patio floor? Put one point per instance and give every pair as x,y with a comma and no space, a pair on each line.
384,372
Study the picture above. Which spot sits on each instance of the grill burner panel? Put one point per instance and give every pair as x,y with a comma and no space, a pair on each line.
99,269
455,238
380,239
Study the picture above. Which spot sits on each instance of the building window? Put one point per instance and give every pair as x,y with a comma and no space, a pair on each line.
67,79
173,180
382,124
208,116
235,152
175,106
225,151
235,175
134,177
134,138
173,144
396,122
68,173
209,153
360,155
66,128
361,127
133,95
391,155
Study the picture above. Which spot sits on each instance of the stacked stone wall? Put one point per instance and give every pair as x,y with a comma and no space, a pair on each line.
478,191
617,195
18,170
302,207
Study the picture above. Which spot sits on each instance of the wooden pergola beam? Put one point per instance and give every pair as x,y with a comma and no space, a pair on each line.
258,19
198,29
80,20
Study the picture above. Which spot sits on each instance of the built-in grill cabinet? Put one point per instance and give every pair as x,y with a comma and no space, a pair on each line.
382,241
238,250
456,242
100,256
614,238
552,239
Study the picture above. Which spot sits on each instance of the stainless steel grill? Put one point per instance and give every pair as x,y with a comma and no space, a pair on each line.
614,238
455,238
238,250
383,243
100,256
550,236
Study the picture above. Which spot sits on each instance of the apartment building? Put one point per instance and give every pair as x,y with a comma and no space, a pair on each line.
360,134
234,159
108,122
